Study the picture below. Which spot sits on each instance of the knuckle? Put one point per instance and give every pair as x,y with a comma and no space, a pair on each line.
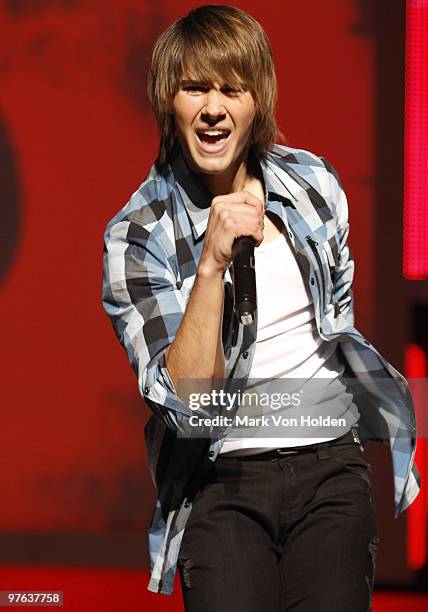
217,201
228,223
223,215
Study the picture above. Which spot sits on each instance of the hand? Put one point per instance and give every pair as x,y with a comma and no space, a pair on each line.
231,216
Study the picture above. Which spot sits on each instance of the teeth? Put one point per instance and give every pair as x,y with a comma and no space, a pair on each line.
212,132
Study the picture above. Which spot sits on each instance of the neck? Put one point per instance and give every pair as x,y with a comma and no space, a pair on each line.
233,179
230,181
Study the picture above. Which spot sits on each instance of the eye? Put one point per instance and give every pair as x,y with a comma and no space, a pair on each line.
232,91
195,88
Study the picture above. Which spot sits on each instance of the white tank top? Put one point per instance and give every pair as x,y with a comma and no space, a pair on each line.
288,346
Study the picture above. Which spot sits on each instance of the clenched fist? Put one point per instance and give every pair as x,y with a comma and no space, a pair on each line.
231,216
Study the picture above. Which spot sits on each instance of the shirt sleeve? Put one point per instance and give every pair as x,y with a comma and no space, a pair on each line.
145,307
344,269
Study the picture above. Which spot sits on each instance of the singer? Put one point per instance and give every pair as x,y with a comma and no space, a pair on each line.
283,518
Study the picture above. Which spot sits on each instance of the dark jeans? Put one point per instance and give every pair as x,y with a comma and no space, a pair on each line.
296,534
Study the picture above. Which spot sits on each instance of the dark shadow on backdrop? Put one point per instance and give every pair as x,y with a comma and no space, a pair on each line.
10,202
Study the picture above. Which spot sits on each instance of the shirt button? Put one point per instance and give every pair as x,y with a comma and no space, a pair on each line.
186,504
146,390
366,342
211,454
245,354
290,234
312,280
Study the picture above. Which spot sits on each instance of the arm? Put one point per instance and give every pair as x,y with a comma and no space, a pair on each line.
197,351
150,315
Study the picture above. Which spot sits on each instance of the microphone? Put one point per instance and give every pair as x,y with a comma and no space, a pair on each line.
244,279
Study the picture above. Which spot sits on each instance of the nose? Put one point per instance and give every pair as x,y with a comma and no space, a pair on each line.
214,103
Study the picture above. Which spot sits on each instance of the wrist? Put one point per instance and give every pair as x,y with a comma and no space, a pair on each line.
210,270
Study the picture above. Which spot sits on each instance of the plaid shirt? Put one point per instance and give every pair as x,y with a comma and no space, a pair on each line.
152,249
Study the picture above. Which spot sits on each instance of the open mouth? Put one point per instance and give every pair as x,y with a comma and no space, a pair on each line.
212,136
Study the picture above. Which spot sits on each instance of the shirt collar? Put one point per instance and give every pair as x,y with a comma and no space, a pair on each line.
197,197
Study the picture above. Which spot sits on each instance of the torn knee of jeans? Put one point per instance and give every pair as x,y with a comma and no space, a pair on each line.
186,565
373,548
374,545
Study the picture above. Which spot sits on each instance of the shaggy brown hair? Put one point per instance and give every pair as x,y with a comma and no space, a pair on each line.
220,43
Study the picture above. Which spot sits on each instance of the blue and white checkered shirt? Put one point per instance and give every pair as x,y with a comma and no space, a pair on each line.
152,250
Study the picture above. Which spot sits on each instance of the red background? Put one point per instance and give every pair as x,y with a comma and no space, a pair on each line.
79,139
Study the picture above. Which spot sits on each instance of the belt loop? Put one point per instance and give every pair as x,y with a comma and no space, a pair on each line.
323,450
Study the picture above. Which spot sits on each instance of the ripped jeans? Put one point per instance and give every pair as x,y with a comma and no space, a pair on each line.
293,534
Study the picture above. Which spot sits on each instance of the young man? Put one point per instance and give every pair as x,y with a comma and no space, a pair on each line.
254,522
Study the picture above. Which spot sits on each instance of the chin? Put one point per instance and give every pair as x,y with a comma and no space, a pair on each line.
213,168
211,165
